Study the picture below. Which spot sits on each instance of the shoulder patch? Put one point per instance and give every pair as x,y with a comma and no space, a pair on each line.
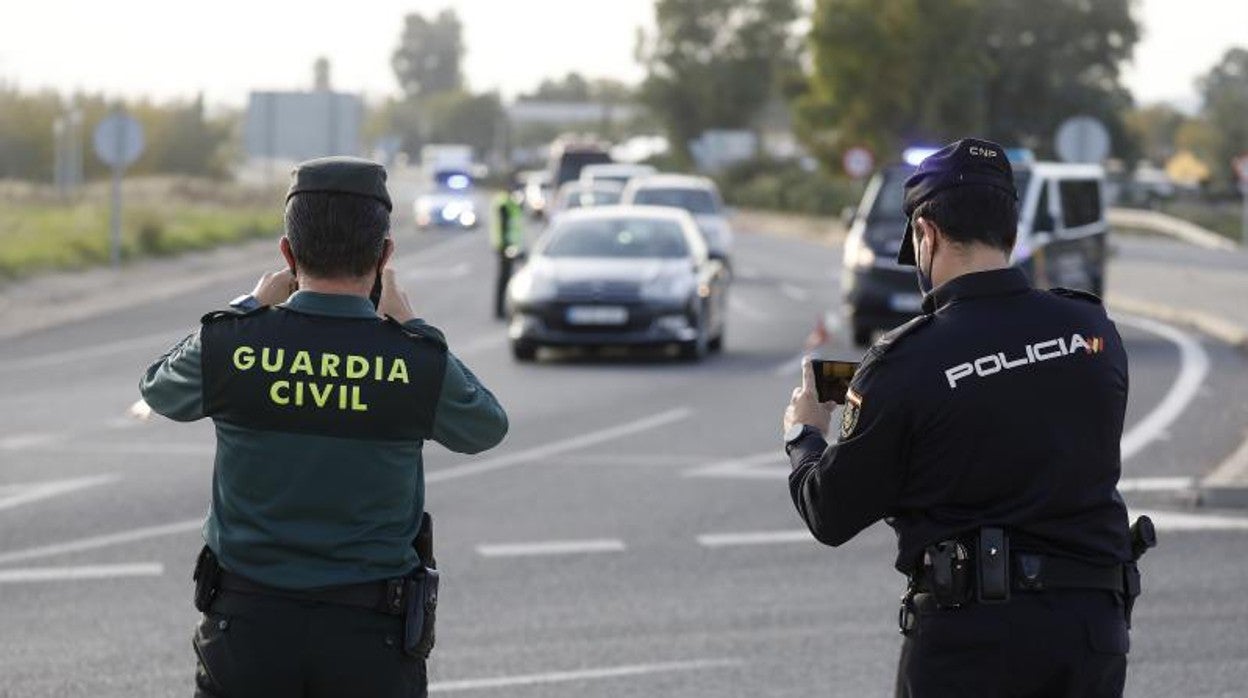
420,330
895,335
1077,294
230,313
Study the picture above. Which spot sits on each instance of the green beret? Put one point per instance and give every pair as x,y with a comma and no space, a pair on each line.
340,174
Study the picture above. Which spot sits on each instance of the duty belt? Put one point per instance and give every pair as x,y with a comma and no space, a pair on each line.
385,596
1034,572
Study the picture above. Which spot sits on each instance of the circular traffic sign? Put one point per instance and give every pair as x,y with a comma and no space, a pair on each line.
118,140
1082,139
858,162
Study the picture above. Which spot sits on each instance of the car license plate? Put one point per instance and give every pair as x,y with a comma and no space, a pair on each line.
597,315
906,302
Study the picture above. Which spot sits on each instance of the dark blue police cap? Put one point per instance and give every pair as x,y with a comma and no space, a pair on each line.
340,174
968,161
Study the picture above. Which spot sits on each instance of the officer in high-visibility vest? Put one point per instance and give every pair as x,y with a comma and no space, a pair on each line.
313,580
506,236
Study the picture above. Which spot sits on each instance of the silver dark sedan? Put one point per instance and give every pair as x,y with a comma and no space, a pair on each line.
619,275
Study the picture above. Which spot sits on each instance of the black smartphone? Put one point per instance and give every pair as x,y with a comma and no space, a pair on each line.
832,378
375,294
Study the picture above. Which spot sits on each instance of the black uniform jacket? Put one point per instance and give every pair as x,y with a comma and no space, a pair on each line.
1001,405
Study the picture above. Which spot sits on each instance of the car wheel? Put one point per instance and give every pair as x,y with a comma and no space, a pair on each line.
523,351
697,349
862,335
716,344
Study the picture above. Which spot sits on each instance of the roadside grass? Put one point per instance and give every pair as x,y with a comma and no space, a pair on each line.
160,217
1224,218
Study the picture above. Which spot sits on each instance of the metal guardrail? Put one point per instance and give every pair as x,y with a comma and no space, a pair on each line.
1163,224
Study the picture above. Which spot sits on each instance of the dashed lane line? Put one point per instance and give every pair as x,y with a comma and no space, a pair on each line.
579,675
19,494
551,547
559,447
104,541
724,540
57,574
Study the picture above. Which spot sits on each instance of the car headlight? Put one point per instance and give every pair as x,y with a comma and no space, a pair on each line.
529,287
667,288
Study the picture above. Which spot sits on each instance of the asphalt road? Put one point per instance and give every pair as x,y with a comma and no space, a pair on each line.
633,536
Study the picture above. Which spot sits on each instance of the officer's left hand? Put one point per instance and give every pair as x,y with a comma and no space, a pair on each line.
274,287
804,407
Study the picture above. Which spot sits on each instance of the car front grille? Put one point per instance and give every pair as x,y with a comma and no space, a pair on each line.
599,291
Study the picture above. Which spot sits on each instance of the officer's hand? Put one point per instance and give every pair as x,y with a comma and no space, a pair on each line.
275,287
394,301
804,407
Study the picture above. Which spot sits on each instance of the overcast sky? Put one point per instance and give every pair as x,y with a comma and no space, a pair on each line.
225,48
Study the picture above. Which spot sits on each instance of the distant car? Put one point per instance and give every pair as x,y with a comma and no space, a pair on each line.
697,195
1062,238
451,202
578,194
619,172
568,157
619,275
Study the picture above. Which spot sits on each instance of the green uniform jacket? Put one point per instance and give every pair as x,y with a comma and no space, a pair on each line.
512,234
301,511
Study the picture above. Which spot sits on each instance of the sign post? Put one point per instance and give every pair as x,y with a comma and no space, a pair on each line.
118,143
858,162
1082,139
1241,169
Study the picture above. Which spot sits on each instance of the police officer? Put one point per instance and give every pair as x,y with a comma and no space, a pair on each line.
506,234
986,433
321,402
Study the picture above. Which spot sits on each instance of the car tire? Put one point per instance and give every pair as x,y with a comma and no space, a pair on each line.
523,351
862,335
697,349
716,345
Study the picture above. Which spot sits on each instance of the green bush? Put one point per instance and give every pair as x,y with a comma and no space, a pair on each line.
787,187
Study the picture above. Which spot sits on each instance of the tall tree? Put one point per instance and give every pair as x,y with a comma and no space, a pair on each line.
886,73
1156,128
715,63
427,60
1225,109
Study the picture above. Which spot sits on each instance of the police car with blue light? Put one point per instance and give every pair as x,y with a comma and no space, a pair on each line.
451,202
1062,238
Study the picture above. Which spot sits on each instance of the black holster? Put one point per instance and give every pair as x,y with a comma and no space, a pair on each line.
207,577
420,593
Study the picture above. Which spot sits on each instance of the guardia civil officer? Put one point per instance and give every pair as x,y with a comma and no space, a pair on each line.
506,235
310,583
985,432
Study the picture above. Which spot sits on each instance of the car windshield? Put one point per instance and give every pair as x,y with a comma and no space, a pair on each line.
629,238
887,207
696,201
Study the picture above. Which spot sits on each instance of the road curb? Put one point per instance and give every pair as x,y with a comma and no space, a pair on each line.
1226,486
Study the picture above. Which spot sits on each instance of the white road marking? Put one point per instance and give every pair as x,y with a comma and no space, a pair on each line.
1155,484
438,273
574,443
156,339
55,574
21,442
1193,367
751,312
723,540
640,460
551,547
103,541
796,293
16,495
769,465
578,675
1182,521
